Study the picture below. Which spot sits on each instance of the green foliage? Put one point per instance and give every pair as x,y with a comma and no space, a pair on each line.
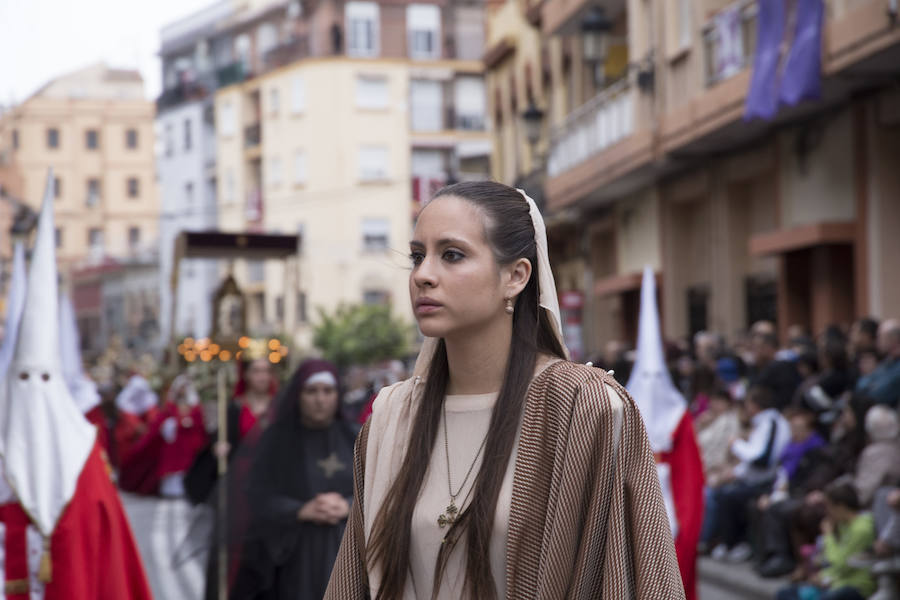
361,335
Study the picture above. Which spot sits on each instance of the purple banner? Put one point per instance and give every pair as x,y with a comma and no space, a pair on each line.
762,97
801,78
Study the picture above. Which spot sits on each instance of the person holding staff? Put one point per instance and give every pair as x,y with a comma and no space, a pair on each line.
500,469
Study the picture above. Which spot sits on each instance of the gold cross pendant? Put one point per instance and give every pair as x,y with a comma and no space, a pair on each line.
449,516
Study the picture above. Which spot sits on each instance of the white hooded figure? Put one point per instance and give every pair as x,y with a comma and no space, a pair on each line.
44,438
671,435
137,397
15,304
83,389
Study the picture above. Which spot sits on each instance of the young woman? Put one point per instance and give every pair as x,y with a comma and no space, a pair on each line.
500,470
298,492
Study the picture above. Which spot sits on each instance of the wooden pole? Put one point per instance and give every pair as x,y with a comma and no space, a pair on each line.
222,542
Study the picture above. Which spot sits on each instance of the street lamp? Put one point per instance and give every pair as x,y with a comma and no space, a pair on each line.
533,118
594,30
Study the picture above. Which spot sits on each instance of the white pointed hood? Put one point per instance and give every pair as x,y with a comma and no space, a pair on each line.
84,391
15,304
661,404
44,439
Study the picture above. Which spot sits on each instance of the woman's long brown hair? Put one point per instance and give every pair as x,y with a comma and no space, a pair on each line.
510,233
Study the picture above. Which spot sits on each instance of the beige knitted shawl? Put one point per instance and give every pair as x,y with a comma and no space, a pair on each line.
587,519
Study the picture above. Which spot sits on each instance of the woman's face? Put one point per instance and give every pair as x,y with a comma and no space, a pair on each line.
318,404
456,286
259,376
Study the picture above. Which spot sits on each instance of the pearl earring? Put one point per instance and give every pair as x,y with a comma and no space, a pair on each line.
509,306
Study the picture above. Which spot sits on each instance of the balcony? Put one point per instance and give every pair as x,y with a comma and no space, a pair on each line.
286,53
252,136
184,92
565,16
729,41
231,74
605,120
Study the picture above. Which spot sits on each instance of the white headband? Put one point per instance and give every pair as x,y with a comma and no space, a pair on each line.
546,284
325,377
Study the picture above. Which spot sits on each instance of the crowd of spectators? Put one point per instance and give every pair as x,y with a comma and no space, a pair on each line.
800,440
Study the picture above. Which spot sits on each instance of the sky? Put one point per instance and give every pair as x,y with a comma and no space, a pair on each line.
42,39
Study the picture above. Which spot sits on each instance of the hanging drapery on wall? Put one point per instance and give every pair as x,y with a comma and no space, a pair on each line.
801,77
762,97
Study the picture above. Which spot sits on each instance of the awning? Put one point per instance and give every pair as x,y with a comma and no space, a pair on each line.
252,246
804,236
616,284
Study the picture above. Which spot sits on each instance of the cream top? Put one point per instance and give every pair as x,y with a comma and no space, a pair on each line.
468,417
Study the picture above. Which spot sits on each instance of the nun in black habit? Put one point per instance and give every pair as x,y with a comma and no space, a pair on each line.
299,491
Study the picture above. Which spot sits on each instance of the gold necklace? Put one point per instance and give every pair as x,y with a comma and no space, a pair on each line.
451,513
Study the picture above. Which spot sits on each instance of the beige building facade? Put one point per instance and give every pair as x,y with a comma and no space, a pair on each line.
354,118
95,129
647,160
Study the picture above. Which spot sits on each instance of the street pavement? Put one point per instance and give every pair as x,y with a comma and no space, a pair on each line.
159,527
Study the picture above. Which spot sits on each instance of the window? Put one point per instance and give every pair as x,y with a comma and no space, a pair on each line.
91,139
58,236
15,139
95,238
53,138
362,28
131,139
256,272
57,187
274,101
266,38
229,187
423,30
301,307
169,141
376,234
134,237
188,193
279,308
426,105
684,23
469,101
677,27
371,91
373,163
227,123
187,134
299,167
298,95
275,171
133,189
376,297
93,191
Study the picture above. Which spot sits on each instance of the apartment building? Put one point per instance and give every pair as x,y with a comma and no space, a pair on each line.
337,124
95,129
647,151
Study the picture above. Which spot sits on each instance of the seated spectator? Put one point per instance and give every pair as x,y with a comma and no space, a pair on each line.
863,336
752,476
879,463
731,371
847,533
780,376
883,384
716,428
797,468
886,510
